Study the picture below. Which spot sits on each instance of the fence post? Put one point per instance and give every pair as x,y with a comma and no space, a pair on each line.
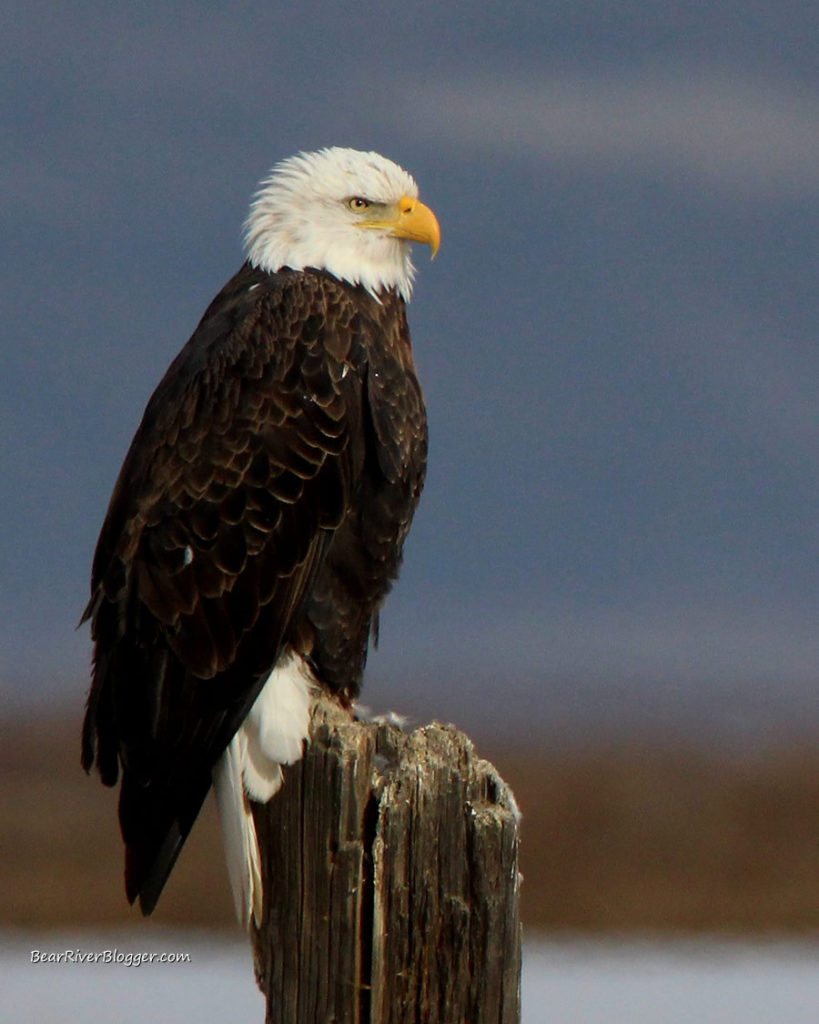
390,864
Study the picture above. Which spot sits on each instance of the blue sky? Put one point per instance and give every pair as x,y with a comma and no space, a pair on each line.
617,340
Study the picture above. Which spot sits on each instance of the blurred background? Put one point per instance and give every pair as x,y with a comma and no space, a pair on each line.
611,583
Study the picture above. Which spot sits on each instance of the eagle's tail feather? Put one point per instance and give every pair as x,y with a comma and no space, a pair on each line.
239,833
272,735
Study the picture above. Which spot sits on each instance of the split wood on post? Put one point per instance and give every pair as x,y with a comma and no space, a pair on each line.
391,881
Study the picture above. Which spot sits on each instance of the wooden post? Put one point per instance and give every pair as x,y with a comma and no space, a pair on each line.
391,881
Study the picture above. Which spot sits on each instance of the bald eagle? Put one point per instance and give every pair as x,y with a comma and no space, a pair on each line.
258,521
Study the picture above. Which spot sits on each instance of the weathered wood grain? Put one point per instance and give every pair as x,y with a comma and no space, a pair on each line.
391,881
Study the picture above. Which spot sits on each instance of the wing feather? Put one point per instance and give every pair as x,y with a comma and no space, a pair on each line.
241,470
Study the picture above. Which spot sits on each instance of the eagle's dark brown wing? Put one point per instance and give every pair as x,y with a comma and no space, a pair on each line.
246,463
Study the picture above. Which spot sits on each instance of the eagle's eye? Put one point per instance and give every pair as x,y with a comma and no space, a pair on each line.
357,203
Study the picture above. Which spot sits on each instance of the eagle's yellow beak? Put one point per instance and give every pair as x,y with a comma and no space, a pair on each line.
410,219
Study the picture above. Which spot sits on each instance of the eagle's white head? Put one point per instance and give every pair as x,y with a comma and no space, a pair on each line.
353,214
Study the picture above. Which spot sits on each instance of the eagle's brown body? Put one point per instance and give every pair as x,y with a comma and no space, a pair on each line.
262,508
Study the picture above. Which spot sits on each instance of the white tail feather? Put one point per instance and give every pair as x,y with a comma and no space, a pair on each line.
238,832
273,734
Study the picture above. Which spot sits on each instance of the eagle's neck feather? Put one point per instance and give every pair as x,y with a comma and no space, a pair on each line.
376,261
